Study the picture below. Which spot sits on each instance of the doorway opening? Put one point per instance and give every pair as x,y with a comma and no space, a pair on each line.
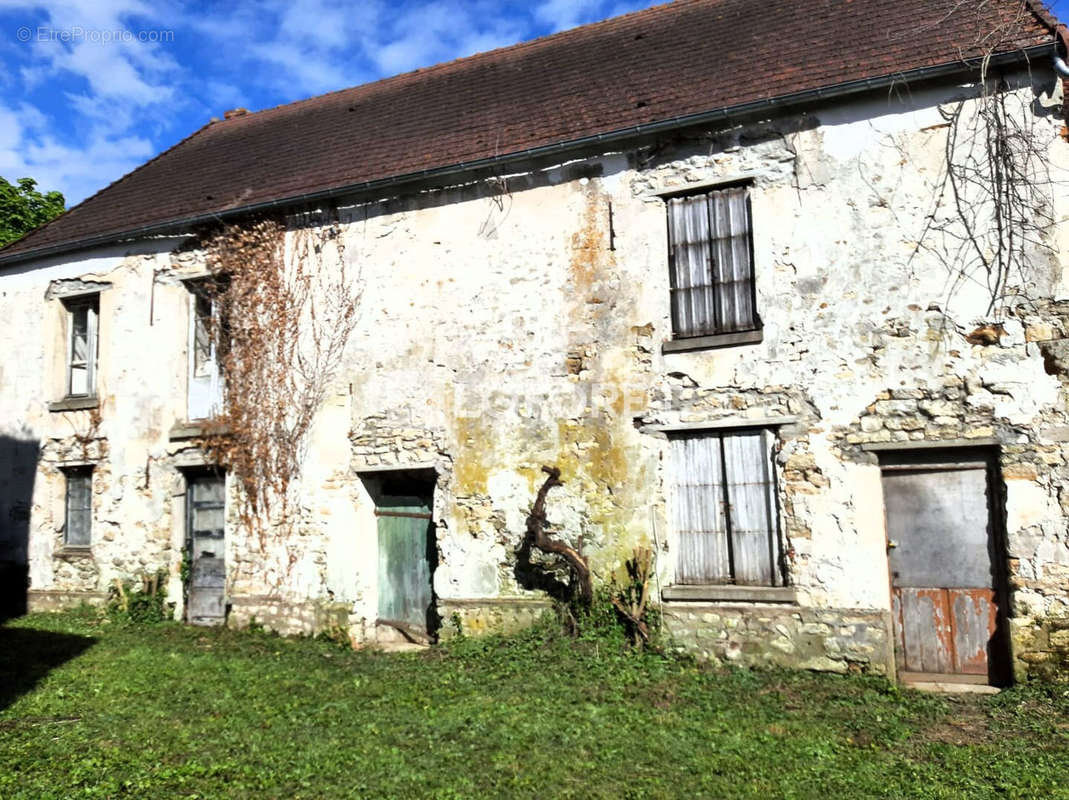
205,547
407,552
947,564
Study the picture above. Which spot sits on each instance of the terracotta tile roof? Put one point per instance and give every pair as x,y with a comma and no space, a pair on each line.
687,57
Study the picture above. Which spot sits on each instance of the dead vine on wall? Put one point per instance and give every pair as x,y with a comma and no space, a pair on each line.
992,211
288,303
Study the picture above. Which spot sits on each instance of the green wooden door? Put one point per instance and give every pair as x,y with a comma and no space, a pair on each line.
405,552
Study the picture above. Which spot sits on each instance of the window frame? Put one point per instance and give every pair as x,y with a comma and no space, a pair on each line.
90,304
717,335
779,587
208,289
70,474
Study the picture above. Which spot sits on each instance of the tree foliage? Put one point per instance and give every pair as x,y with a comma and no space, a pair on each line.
23,208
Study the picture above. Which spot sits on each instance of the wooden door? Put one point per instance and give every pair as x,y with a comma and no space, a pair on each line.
406,554
205,513
944,582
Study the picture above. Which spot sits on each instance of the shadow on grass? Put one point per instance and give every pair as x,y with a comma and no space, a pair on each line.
27,656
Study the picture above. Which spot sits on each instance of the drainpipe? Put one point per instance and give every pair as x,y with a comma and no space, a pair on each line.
1061,33
1059,62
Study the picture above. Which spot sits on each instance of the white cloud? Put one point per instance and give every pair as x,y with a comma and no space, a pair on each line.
563,14
114,89
302,69
77,170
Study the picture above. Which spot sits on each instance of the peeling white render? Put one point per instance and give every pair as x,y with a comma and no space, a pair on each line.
504,326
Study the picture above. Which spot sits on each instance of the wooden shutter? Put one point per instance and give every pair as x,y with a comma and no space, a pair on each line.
729,210
693,299
712,276
751,499
725,512
700,523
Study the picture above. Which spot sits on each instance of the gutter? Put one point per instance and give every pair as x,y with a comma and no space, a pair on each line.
717,115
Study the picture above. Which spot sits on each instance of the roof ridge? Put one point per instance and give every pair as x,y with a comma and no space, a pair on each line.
473,58
116,182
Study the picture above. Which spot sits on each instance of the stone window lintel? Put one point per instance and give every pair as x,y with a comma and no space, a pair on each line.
929,444
74,289
726,423
718,182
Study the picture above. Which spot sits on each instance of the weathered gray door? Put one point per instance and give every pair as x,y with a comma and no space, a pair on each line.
205,513
943,580
405,558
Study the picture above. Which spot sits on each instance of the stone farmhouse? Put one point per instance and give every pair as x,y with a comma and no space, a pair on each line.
779,288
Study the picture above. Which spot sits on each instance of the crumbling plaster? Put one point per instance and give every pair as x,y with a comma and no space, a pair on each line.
505,325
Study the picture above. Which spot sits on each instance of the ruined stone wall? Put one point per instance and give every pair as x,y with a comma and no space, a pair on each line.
519,322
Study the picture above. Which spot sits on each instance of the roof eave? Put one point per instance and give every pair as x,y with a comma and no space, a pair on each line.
808,96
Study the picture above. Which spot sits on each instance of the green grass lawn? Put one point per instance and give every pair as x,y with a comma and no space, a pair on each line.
97,709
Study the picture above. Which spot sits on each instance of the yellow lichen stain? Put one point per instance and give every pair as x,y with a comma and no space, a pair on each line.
586,247
474,624
604,466
600,460
475,443
643,331
534,477
610,477
590,246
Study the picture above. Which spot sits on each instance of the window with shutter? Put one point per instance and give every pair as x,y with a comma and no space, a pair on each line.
725,509
711,263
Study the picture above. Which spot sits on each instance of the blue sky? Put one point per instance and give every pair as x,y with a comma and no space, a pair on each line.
89,89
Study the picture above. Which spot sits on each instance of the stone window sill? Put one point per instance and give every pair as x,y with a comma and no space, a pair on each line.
74,552
196,430
712,342
731,594
75,403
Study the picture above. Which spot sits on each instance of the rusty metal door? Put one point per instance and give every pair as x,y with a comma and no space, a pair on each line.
205,515
944,579
405,562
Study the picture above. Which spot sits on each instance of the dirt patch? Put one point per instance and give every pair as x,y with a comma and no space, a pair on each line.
964,724
662,696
